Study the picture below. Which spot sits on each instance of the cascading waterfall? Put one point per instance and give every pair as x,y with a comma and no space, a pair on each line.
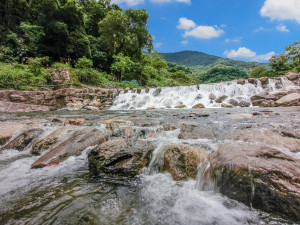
189,96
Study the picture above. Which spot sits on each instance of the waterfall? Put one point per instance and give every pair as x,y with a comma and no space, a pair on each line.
186,96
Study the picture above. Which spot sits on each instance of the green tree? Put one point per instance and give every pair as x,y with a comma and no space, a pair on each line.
121,65
279,65
257,72
292,53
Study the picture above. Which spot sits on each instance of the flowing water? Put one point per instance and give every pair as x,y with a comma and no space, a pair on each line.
67,194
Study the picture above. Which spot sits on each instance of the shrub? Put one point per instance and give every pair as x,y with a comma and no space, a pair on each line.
84,63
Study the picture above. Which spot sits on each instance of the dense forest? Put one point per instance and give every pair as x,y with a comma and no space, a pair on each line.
99,42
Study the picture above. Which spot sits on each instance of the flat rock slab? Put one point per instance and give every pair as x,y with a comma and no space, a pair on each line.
74,146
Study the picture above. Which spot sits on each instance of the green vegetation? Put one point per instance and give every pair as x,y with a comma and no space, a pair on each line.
280,64
100,43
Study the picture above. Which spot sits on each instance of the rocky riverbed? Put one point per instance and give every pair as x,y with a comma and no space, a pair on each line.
179,166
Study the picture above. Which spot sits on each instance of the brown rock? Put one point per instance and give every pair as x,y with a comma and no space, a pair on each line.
293,76
212,96
264,80
151,108
7,130
221,99
241,81
118,158
289,100
23,139
261,177
198,106
113,125
223,105
74,146
180,107
251,80
182,161
268,138
75,121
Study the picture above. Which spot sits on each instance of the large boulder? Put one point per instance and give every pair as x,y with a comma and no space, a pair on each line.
7,130
212,96
292,99
119,158
198,106
182,161
267,138
259,176
24,139
74,146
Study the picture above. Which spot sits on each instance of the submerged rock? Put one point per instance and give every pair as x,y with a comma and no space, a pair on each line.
7,130
221,99
191,130
23,139
73,146
182,161
261,177
118,158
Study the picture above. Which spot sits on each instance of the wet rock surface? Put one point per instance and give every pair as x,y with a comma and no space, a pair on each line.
118,158
261,177
182,161
7,130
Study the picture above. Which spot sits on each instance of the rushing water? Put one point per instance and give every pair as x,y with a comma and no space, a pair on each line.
66,194
170,97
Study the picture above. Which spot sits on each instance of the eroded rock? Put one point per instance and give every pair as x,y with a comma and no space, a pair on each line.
114,125
182,161
7,130
118,158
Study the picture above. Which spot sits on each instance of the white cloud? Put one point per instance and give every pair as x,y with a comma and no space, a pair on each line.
184,42
157,44
166,1
234,40
281,10
259,29
128,2
185,24
245,53
264,57
204,32
282,28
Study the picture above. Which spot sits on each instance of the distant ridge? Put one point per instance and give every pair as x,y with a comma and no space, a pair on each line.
199,61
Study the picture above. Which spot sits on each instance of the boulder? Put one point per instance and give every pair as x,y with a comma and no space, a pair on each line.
180,107
118,158
267,138
73,146
289,100
212,96
293,76
244,104
198,106
114,125
260,177
223,105
182,161
251,80
263,80
23,139
147,90
241,81
7,130
233,102
157,91
221,99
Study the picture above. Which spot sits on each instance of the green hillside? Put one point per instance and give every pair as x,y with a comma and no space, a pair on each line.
199,61
209,68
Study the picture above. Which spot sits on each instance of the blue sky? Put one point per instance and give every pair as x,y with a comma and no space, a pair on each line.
249,30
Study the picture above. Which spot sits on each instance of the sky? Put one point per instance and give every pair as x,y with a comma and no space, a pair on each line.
249,30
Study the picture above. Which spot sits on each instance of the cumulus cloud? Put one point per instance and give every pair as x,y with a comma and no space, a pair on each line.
204,32
259,29
245,53
166,1
282,28
184,42
185,24
128,2
281,10
233,40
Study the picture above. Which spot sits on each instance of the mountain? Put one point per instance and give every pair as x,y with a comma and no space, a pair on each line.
199,61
